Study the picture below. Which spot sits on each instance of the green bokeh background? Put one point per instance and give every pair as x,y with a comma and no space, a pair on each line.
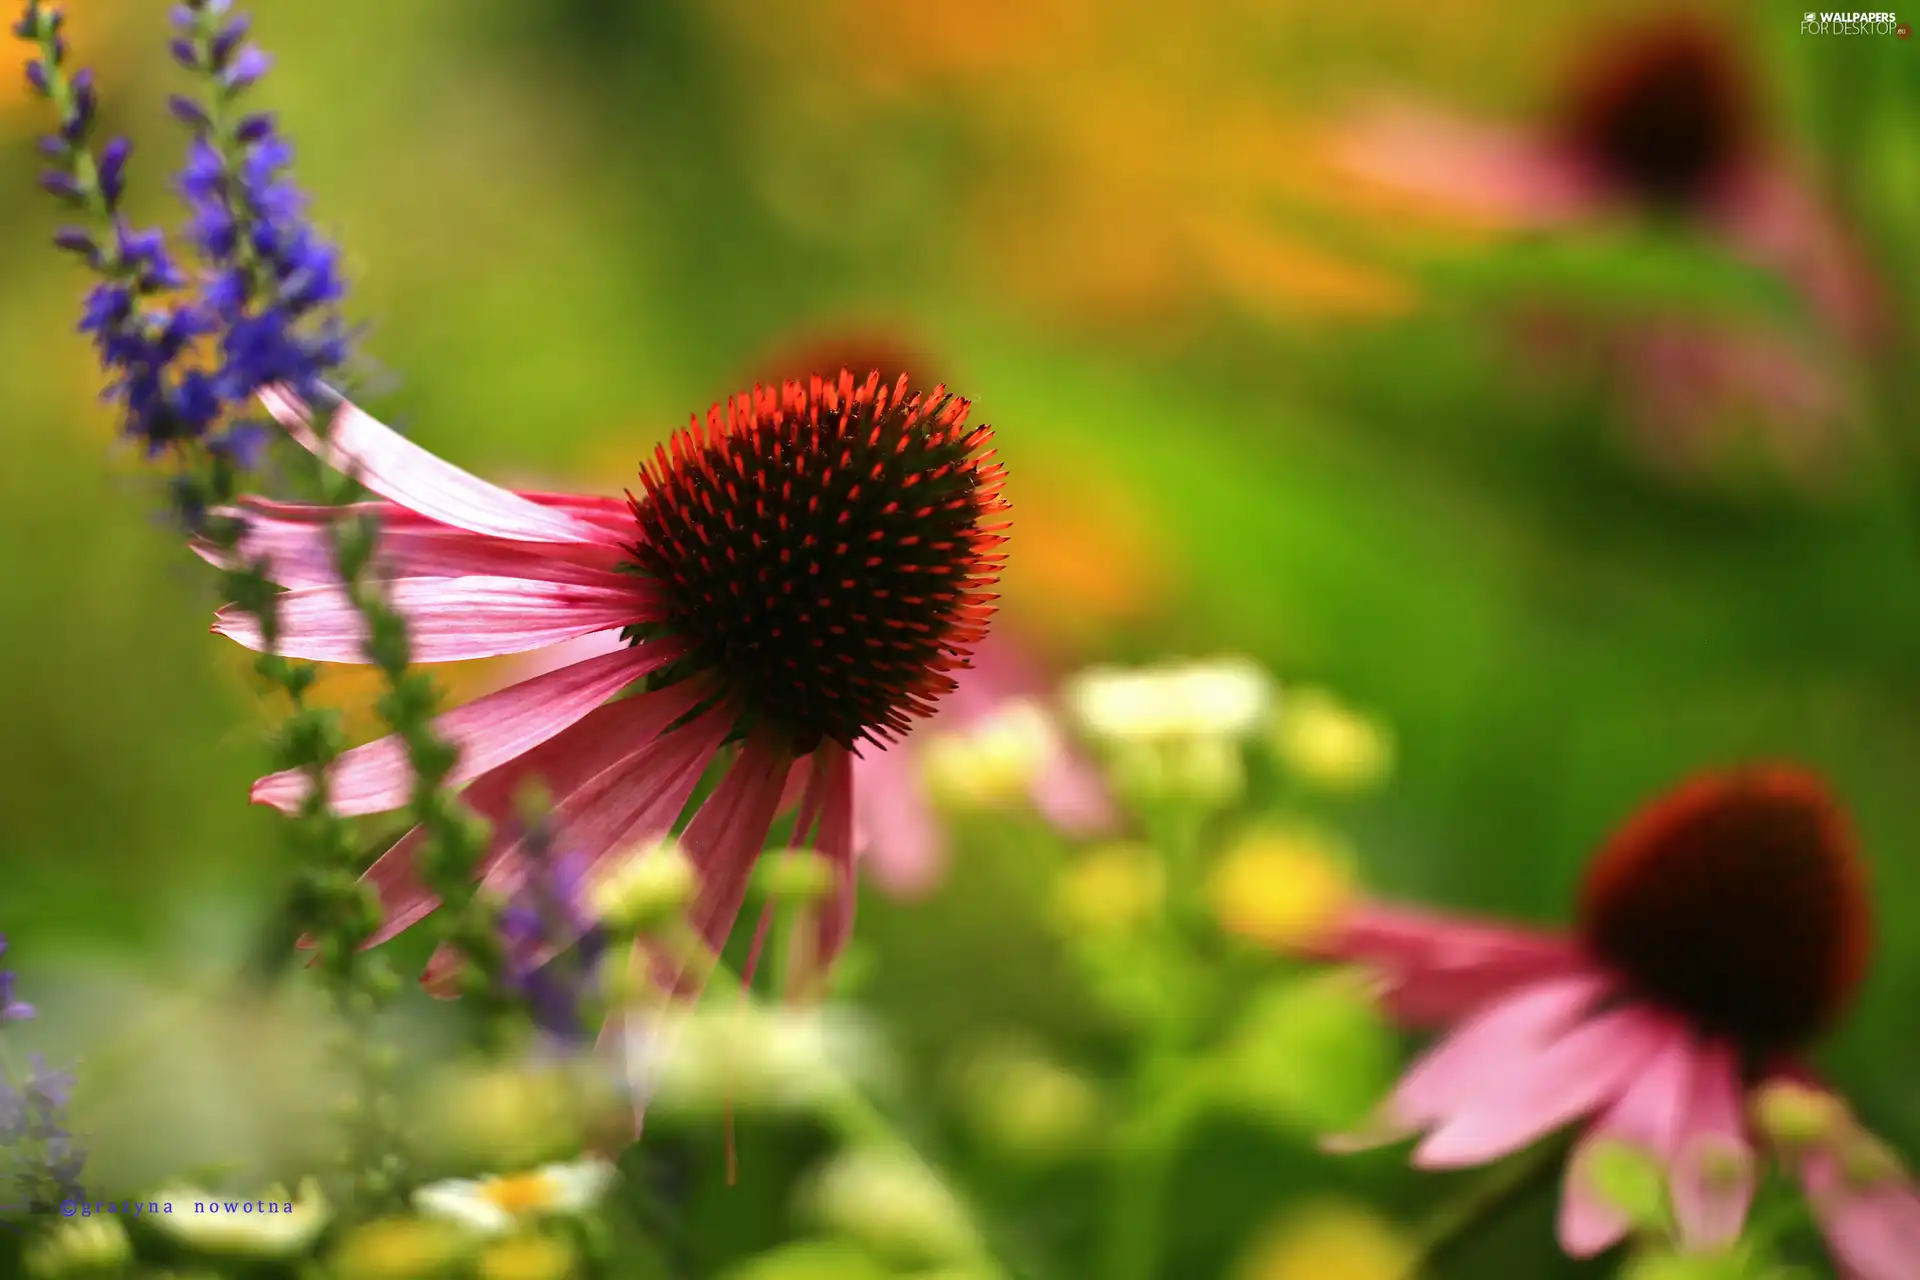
569,224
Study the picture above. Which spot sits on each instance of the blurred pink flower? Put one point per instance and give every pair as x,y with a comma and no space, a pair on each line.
799,575
1721,929
1662,118
895,825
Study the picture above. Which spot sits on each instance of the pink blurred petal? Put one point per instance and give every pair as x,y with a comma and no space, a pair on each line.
488,732
1437,969
727,836
1873,1232
448,619
1072,796
616,751
1780,222
1527,1095
295,542
1647,1116
797,783
1499,175
397,469
1449,1076
830,797
1711,1211
894,824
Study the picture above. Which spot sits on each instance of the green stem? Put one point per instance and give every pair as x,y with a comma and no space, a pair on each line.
1504,1186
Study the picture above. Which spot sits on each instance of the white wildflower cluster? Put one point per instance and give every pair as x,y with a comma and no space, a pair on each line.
1175,730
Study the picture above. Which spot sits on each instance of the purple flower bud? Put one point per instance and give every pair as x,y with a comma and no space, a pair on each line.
28,27
113,170
62,185
246,69
184,17
255,128
185,54
79,117
188,112
77,240
53,146
37,77
229,39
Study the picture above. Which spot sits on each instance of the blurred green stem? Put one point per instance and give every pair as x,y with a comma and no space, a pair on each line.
1485,1201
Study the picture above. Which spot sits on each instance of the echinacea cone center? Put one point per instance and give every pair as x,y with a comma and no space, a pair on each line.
1739,901
826,551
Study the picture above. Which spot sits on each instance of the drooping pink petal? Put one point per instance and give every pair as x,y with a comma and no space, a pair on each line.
295,545
1713,1167
448,619
895,828
400,470
1436,969
1872,1231
1501,176
1471,1061
728,835
488,732
1647,1116
1585,1069
829,796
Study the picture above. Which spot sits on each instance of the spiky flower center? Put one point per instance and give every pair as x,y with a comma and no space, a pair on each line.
1738,900
1663,115
826,549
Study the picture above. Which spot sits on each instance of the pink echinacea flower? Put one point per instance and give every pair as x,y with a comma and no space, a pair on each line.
795,582
1722,929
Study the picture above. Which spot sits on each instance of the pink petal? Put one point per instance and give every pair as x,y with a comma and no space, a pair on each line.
1711,1211
448,619
1534,1094
1499,175
488,732
1647,1116
1469,1062
1874,1231
829,797
895,826
1779,221
729,833
618,741
1070,794
397,469
295,542
1437,970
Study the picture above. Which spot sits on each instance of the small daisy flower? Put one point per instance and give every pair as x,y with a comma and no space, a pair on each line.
1720,931
499,1204
275,1225
794,583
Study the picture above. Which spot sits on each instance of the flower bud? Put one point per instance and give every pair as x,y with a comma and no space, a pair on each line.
797,876
812,1260
1796,1116
1328,1239
399,1249
1311,1054
501,1117
1327,745
1282,888
720,1055
647,889
1112,888
97,1246
527,1257
1631,1180
1027,1107
993,763
893,1205
1223,698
